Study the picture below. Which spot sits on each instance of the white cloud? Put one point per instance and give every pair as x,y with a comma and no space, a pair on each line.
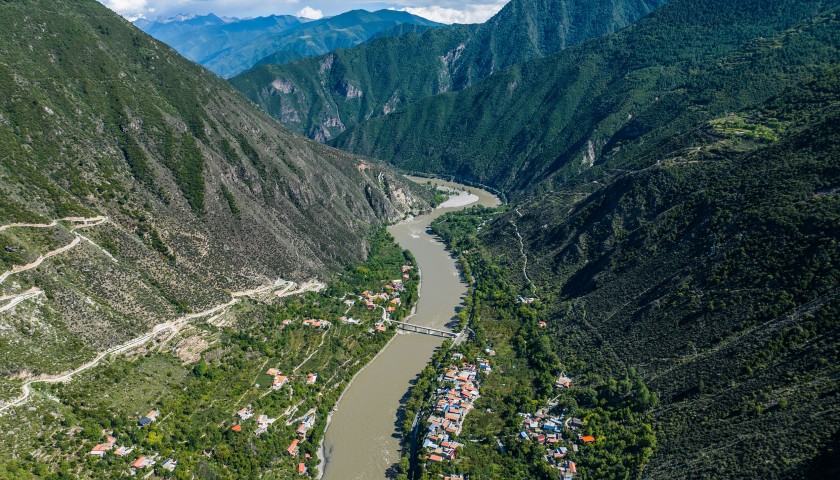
130,9
309,12
444,11
468,13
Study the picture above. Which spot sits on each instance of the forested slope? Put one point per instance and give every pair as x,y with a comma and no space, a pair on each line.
322,96
700,260
565,114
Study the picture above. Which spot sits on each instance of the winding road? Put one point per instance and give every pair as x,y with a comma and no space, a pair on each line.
278,288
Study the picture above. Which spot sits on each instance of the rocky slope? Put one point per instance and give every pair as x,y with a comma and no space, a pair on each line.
570,113
203,193
389,74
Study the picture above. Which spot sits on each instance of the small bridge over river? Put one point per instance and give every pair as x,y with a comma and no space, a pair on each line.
411,327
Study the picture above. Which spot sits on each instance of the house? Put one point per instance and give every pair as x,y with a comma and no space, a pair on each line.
370,305
435,458
307,424
272,371
301,468
543,324
311,378
575,423
294,448
143,462
245,413
237,428
380,327
149,418
563,381
123,451
587,439
279,381
169,464
99,450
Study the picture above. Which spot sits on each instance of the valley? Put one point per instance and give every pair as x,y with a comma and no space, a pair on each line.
251,244
372,407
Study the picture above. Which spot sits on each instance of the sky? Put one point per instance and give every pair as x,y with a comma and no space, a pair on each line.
443,11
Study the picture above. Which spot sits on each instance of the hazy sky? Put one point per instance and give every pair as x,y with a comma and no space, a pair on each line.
444,11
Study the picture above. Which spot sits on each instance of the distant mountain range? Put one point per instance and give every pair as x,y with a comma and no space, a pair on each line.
228,46
323,96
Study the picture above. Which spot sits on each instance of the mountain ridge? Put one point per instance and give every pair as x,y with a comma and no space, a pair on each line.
441,60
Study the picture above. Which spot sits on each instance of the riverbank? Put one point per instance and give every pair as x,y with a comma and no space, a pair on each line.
362,439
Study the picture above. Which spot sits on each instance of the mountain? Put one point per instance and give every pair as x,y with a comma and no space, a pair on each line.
323,96
563,115
312,38
193,193
670,244
230,47
201,37
710,272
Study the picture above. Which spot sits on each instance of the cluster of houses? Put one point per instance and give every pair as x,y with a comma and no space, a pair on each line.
140,463
315,323
263,421
454,400
391,295
145,462
548,430
294,447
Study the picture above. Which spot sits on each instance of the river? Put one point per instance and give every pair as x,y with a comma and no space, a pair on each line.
362,441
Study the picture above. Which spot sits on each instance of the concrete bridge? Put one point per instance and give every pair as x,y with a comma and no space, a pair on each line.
411,327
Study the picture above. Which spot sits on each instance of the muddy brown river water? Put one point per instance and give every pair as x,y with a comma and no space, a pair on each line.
362,441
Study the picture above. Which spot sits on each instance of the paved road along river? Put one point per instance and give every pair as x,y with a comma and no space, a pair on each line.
362,441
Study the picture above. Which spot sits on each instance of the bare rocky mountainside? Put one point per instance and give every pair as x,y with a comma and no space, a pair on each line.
173,189
322,96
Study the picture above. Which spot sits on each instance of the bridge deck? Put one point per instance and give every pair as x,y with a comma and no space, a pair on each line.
437,331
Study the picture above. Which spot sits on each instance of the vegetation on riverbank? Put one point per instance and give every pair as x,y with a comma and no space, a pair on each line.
615,408
198,380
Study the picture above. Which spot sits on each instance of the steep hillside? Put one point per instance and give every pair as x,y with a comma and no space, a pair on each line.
572,111
321,97
190,191
391,74
714,276
689,285
308,39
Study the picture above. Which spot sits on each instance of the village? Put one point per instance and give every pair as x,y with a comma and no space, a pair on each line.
559,434
556,433
388,300
142,462
453,400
